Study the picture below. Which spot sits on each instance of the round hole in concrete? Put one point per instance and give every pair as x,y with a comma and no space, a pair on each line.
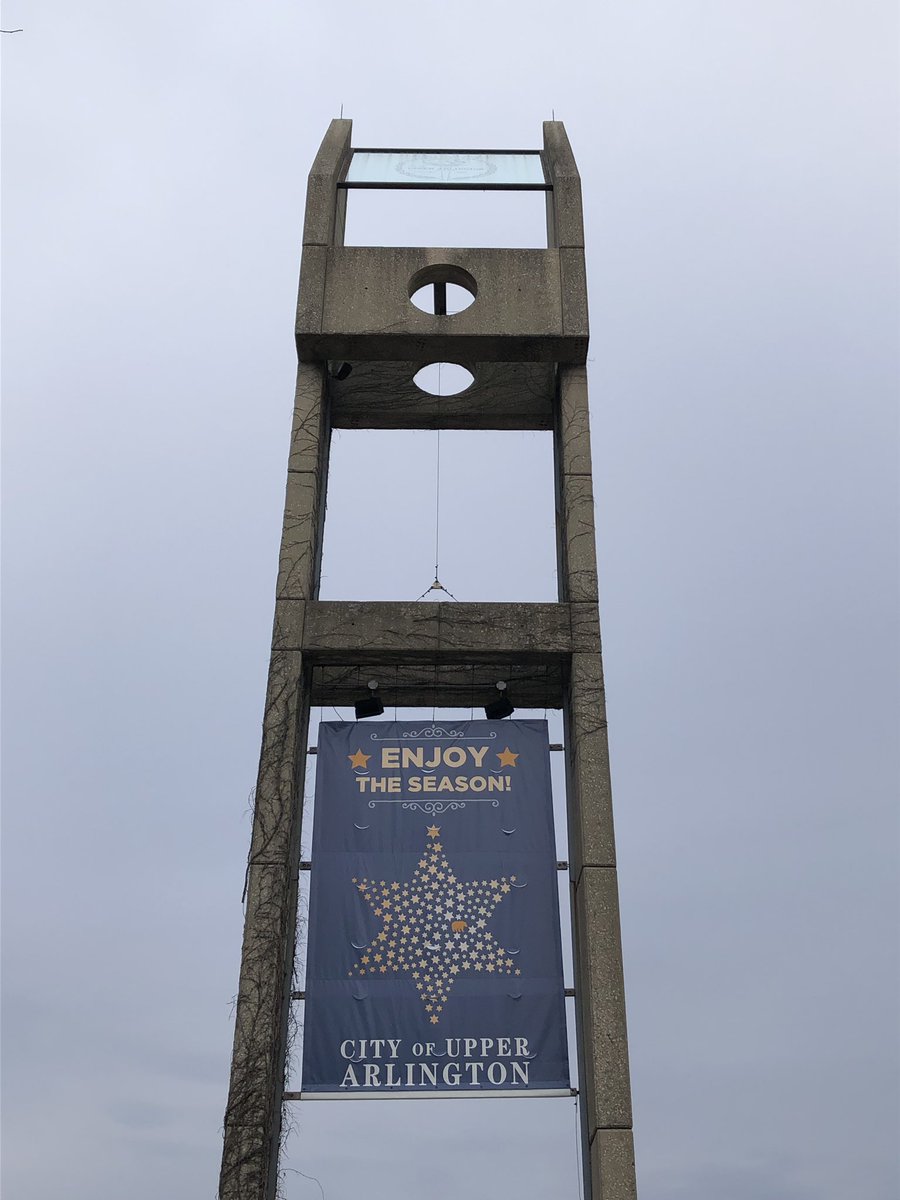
443,379
442,289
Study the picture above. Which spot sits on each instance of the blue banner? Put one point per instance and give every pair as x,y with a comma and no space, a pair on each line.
434,961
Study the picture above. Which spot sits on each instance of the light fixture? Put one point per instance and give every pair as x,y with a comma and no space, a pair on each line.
369,706
501,707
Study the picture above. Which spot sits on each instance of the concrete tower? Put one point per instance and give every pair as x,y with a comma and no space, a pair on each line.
359,343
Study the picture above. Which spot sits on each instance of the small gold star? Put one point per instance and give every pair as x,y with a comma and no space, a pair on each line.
433,831
359,760
507,758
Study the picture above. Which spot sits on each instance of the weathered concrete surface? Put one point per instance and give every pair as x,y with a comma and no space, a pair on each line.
450,684
520,314
297,557
580,545
606,1091
505,395
612,1165
308,426
320,226
253,1113
575,537
573,285
304,508
574,435
565,217
403,631
591,833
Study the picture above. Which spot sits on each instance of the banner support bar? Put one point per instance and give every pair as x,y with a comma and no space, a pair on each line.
501,1093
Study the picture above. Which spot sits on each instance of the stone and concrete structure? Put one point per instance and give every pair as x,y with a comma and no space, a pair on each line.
360,341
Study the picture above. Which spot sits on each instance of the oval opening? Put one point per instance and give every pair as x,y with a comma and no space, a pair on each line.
443,379
442,290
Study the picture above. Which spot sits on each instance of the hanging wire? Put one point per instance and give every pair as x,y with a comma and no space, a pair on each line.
437,487
437,586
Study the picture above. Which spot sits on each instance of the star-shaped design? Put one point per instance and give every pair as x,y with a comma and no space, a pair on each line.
443,920
507,758
359,759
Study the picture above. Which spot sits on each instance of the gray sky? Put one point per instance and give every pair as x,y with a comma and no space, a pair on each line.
739,168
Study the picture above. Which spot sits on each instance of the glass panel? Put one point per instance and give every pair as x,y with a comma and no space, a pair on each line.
445,168
452,217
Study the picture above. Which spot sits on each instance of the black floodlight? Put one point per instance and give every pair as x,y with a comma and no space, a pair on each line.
369,706
501,707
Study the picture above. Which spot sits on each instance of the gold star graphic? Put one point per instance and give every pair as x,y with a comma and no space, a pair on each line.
507,758
359,759
438,917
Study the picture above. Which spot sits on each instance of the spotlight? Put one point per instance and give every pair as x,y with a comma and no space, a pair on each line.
369,706
501,707
341,371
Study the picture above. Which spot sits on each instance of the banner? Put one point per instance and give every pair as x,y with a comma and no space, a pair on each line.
434,961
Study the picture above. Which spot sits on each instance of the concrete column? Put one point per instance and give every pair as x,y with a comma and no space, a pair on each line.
261,1035
253,1114
607,1148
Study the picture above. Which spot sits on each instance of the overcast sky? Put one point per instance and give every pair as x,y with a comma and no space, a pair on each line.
739,168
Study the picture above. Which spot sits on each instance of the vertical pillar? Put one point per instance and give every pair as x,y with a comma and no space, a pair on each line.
261,1036
604,1085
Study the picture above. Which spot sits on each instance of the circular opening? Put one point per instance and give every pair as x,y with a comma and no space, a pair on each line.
443,379
442,290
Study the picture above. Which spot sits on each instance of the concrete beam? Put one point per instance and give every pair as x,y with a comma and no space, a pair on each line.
442,684
505,395
521,312
336,631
